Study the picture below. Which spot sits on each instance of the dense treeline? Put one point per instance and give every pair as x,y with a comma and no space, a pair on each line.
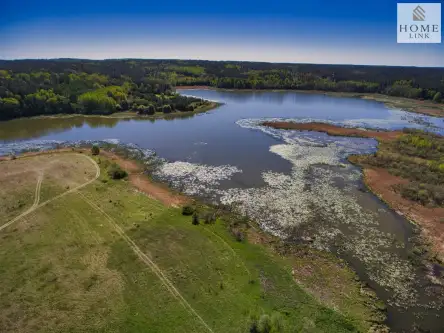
29,87
25,94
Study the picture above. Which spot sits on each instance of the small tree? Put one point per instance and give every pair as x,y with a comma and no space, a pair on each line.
195,219
166,109
151,109
95,150
141,109
437,97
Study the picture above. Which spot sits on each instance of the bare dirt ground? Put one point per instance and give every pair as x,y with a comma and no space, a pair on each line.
335,130
144,184
430,112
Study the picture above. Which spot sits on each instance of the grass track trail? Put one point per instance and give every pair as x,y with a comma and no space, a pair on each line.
36,204
147,260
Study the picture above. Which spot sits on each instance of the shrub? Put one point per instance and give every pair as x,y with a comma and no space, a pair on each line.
437,97
140,109
95,150
425,194
151,109
187,210
115,172
195,219
267,324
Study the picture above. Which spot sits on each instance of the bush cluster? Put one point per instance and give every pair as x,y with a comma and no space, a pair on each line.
421,144
425,194
268,324
188,210
116,172
95,150
429,172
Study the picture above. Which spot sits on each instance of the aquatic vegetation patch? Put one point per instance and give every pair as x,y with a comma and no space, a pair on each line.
194,179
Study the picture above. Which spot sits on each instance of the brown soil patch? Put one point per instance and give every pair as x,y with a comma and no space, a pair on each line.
144,184
128,165
335,130
157,191
381,182
431,112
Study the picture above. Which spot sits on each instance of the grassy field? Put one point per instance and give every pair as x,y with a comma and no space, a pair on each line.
95,255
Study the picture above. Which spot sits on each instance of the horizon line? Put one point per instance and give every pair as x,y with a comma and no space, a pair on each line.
193,59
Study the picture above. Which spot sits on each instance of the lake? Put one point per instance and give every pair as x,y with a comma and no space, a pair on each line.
297,185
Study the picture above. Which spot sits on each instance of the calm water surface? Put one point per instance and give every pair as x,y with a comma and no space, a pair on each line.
300,179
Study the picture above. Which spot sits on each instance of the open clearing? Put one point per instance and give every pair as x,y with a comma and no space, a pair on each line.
89,254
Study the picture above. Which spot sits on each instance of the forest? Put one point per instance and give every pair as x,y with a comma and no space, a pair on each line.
43,92
42,87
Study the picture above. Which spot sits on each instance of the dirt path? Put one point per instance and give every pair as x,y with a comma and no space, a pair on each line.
37,190
147,260
36,204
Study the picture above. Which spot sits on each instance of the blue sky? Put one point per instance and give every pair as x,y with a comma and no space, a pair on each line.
311,31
